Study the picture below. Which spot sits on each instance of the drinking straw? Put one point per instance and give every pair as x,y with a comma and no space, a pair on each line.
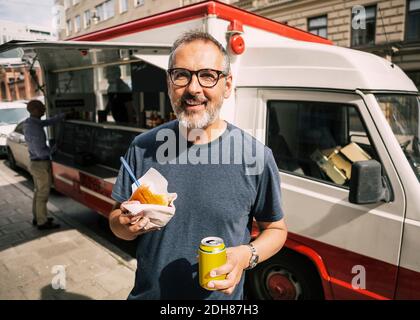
130,172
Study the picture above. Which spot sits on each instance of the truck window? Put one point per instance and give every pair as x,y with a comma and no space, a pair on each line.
317,139
403,115
72,82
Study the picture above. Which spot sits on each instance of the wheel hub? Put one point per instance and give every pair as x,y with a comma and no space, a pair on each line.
281,286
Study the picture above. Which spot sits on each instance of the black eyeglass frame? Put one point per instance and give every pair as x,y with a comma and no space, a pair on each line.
219,73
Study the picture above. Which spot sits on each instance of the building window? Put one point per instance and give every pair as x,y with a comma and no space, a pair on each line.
123,6
318,26
105,10
138,3
69,28
87,19
413,20
363,33
100,12
109,9
77,24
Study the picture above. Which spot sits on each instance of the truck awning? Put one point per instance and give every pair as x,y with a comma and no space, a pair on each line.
57,56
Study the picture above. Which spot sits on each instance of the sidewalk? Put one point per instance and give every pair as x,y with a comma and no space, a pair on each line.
30,259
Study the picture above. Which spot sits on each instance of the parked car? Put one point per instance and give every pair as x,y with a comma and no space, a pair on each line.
17,148
11,113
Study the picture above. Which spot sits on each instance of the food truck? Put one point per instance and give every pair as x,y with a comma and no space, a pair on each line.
343,126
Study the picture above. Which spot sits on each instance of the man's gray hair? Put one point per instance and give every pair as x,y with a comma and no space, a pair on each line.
195,35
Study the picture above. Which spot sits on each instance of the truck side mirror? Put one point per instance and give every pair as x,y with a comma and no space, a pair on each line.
366,183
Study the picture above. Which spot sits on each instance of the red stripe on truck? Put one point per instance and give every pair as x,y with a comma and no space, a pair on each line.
335,266
195,11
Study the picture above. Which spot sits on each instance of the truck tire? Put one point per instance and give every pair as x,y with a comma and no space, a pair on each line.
285,276
11,159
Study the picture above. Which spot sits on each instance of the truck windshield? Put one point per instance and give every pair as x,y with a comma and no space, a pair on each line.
402,113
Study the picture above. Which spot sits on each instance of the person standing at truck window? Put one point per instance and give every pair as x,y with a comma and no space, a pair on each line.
214,198
40,162
120,99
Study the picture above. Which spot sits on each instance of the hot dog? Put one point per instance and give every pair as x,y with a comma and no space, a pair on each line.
145,195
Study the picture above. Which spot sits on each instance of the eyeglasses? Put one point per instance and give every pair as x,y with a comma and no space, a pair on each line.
207,78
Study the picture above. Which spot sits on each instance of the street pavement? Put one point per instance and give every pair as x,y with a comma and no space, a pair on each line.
72,262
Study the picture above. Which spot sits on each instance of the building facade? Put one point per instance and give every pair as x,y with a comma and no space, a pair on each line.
78,17
11,30
17,80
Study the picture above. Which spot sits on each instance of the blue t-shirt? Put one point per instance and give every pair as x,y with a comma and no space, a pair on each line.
221,186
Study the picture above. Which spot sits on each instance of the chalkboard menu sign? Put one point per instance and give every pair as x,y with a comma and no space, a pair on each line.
105,145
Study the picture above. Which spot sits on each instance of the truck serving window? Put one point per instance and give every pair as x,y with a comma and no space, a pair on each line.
317,139
127,94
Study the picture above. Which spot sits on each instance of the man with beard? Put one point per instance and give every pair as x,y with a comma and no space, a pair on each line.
215,198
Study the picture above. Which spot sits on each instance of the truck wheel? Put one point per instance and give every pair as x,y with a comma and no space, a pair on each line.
286,276
11,159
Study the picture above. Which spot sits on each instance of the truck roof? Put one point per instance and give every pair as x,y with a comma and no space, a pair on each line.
304,64
200,10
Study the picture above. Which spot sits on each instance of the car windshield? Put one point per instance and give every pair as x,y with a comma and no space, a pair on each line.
12,115
402,113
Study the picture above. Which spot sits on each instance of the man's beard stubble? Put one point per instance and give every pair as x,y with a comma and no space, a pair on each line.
196,120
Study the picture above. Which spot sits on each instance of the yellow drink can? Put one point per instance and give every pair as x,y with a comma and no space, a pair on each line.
211,255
